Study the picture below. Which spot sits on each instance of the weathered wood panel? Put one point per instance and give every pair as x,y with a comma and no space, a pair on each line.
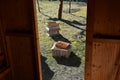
19,26
105,59
118,75
107,17
21,54
17,14
4,59
89,36
103,22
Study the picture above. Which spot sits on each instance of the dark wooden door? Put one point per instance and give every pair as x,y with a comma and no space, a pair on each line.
103,40
18,24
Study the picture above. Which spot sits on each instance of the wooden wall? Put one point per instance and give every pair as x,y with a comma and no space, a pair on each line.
103,40
18,23
107,17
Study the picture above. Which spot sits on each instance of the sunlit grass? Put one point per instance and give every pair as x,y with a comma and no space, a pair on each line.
82,12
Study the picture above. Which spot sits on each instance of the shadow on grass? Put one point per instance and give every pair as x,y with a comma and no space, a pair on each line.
47,74
60,38
73,23
82,34
73,60
44,14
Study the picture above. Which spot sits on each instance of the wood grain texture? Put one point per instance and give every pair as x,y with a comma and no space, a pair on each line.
21,54
20,31
36,43
16,14
105,60
103,39
118,74
107,17
89,35
5,70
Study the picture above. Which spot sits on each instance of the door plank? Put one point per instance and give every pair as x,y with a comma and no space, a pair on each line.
21,36
105,59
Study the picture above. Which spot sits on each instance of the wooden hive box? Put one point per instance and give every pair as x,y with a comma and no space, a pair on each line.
52,24
52,28
52,31
58,52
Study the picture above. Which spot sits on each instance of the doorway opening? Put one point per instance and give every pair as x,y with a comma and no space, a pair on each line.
72,30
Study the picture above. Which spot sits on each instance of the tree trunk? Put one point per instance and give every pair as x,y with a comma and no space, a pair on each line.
38,5
70,6
60,9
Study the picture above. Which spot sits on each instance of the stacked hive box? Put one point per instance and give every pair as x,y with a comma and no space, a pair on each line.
61,52
52,28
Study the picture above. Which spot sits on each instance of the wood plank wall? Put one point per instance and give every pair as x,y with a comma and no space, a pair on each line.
20,30
103,37
107,17
105,59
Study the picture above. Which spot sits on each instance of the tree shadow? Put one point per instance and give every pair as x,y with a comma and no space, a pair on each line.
73,60
82,33
73,23
78,23
83,1
47,74
44,14
60,38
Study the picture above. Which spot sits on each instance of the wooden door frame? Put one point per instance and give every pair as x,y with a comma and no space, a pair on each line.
32,38
89,38
38,57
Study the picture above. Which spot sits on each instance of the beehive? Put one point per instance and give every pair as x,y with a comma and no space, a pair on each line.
57,52
52,28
